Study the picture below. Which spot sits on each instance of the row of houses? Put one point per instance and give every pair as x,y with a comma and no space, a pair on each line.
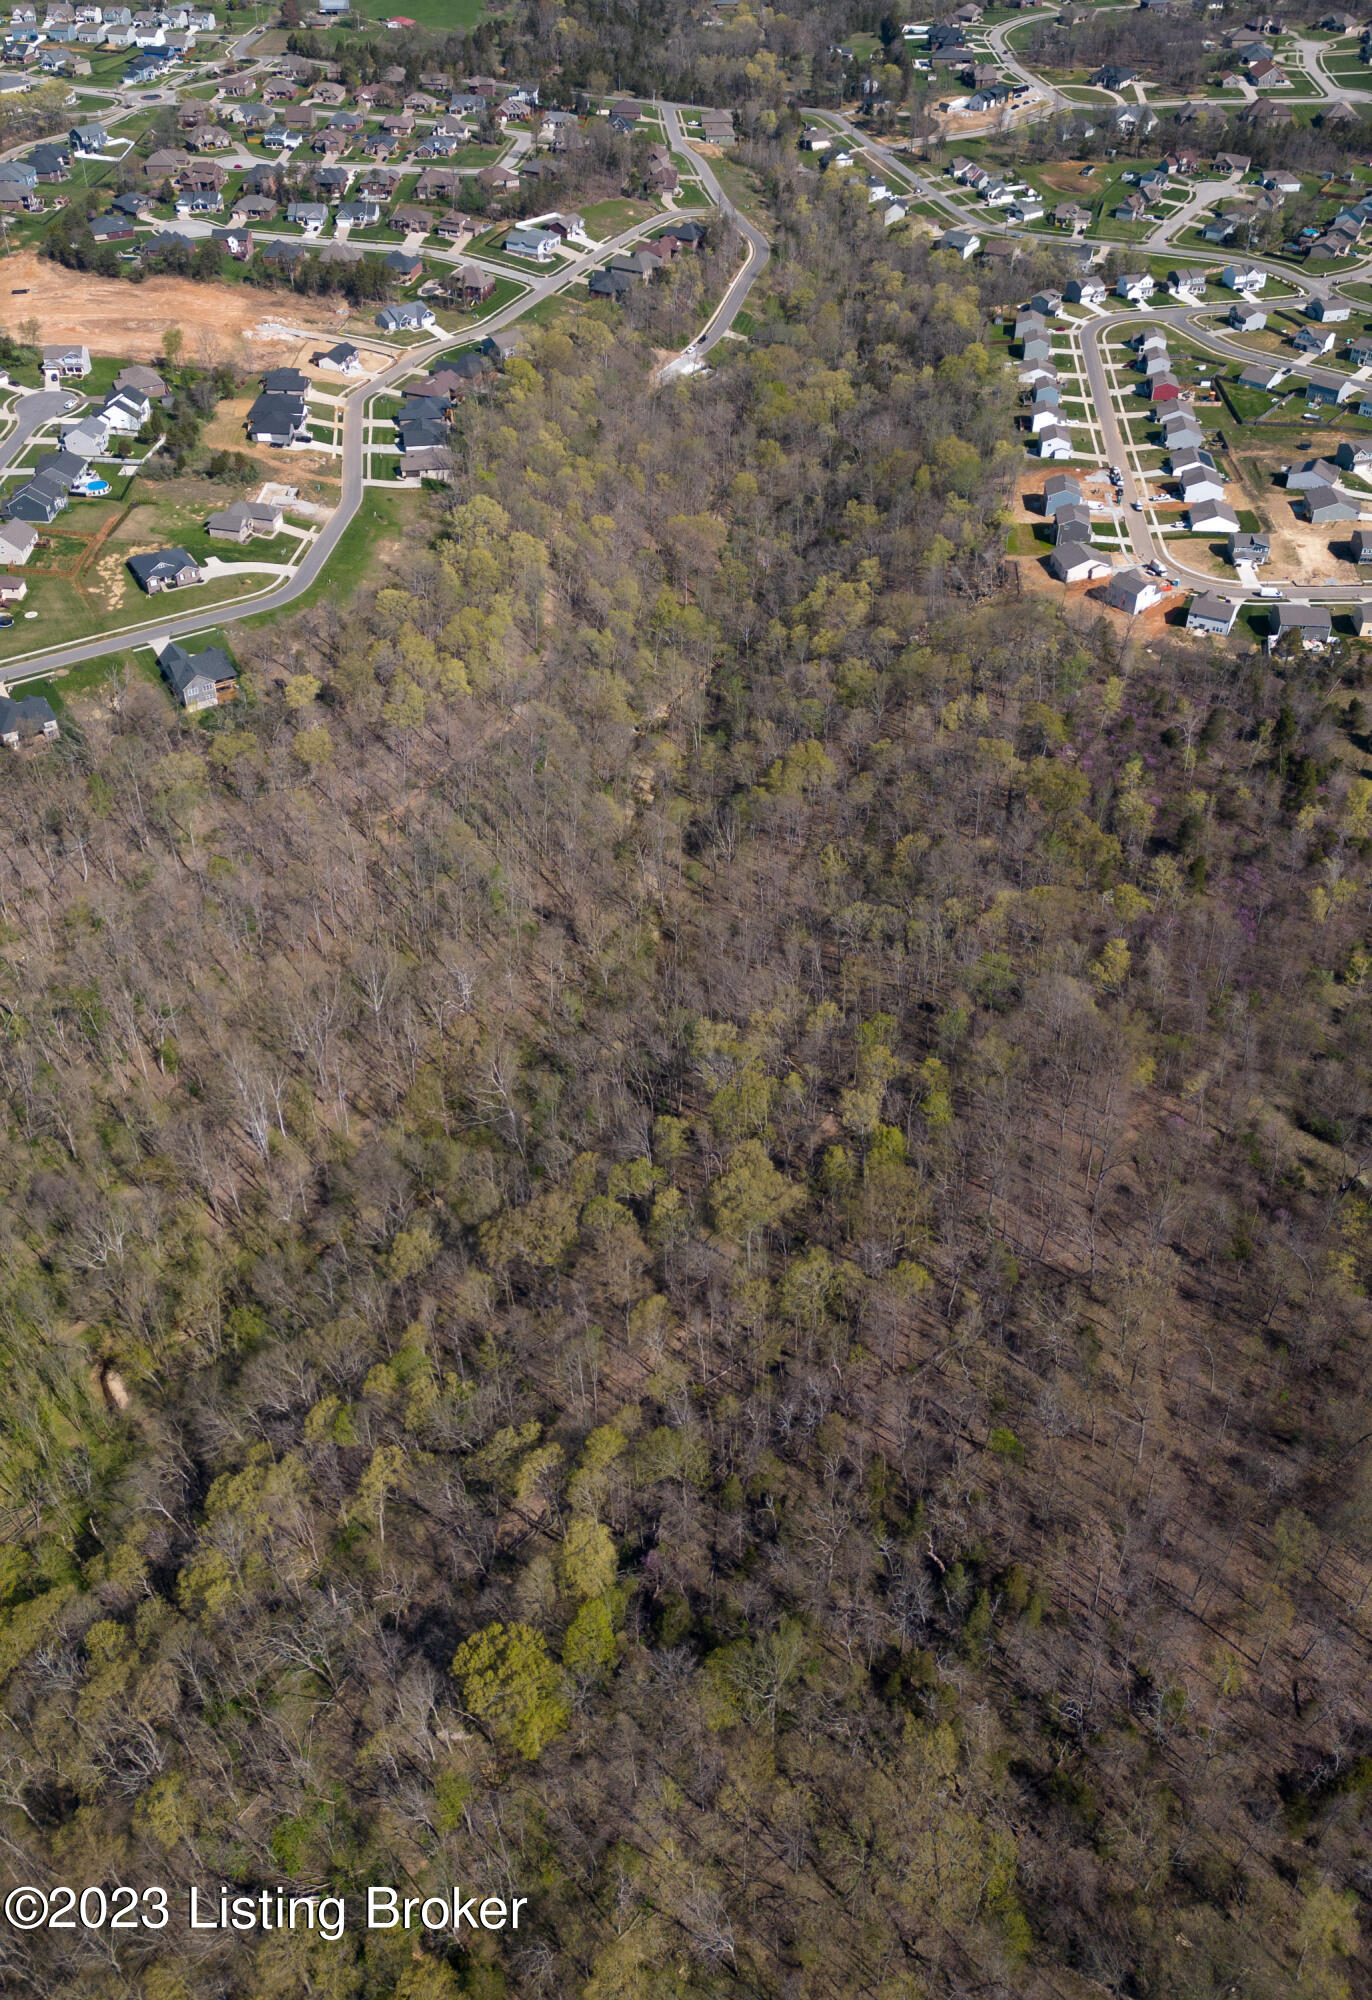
631,268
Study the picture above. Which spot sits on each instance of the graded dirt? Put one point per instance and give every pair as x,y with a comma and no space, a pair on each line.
111,316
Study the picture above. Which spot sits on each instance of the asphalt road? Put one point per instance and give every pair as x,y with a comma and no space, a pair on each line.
759,249
899,168
31,412
1145,543
36,665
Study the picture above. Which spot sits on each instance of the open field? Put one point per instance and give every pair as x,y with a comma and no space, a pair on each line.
112,317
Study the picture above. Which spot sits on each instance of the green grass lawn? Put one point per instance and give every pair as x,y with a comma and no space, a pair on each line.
610,218
68,683
381,516
67,612
198,543
447,16
1248,406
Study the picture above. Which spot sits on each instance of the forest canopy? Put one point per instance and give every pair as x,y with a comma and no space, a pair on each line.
684,1233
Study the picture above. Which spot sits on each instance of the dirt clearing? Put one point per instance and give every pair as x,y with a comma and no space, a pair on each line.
110,316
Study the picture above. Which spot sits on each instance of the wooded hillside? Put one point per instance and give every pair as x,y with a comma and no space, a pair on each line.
683,1232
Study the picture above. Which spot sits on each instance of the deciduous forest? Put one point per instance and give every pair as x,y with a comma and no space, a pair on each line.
685,1232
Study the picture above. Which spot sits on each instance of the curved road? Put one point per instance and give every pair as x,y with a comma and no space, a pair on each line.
759,249
36,665
1144,544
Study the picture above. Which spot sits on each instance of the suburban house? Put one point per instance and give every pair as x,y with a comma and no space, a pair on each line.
1059,491
243,519
1211,517
1072,524
1322,386
1084,292
1312,624
1262,375
465,371
18,540
1323,505
1242,278
1311,472
1136,286
469,286
1180,429
1329,312
343,359
404,319
310,215
538,244
199,680
1246,318
1077,562
65,362
279,420
41,499
1360,545
1133,591
1198,484
1255,550
1208,612
26,720
1314,340
963,242
165,569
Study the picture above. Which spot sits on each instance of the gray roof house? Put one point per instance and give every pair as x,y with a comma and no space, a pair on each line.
1132,591
199,680
236,522
278,420
24,719
165,569
1061,490
1312,624
1208,612
1323,504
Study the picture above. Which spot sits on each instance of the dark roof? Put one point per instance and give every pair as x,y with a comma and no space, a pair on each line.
28,715
277,416
161,563
469,365
285,382
424,431
181,667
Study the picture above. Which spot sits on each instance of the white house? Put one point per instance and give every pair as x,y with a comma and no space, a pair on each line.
404,319
1077,562
1242,278
1133,591
1209,612
1211,517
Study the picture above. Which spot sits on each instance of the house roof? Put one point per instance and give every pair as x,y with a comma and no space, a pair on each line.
28,715
277,416
183,669
1302,618
1209,605
160,563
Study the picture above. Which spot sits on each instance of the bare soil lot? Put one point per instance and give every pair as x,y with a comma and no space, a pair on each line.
112,317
